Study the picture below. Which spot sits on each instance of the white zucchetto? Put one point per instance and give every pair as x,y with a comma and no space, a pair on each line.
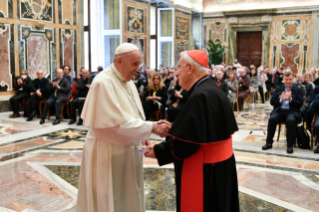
125,48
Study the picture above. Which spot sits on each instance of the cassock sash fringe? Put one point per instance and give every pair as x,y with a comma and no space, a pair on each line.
192,183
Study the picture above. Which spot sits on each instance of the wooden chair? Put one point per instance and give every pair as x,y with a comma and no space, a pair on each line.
42,102
312,134
158,114
63,104
279,128
24,101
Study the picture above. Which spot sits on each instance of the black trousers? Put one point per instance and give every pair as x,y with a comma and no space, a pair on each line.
48,105
291,124
261,92
77,104
33,102
316,127
16,100
149,106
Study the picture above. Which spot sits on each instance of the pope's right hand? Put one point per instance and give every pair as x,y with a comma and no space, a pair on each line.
161,128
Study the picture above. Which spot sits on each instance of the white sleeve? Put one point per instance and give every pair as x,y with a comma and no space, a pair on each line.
135,128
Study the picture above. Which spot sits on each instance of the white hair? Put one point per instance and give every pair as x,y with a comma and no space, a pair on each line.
219,72
198,67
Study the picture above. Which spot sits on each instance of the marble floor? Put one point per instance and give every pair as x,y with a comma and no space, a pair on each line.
40,166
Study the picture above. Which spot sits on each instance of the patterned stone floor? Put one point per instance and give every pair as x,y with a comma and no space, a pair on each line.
40,166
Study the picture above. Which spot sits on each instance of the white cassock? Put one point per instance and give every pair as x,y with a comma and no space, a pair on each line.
111,178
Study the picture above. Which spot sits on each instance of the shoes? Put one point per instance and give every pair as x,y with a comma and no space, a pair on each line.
290,150
80,122
267,146
57,121
29,118
317,150
72,121
42,121
32,115
15,115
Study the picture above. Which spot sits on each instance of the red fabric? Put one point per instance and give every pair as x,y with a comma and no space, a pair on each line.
73,91
199,56
273,78
218,84
192,191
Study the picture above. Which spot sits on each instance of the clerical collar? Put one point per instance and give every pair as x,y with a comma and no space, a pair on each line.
117,73
197,83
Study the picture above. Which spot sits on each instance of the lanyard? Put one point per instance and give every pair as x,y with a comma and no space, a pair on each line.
218,84
288,91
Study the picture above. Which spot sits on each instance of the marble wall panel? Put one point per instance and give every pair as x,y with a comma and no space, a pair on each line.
6,9
179,48
218,31
68,50
290,30
290,57
37,50
140,44
67,12
37,10
182,28
6,56
135,20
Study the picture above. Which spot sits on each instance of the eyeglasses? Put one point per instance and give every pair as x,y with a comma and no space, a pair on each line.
179,66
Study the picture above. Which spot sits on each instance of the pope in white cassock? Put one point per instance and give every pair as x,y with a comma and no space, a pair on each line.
111,178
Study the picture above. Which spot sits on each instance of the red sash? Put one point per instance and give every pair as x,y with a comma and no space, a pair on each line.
192,191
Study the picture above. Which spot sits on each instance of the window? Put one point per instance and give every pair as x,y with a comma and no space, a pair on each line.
110,44
166,39
111,14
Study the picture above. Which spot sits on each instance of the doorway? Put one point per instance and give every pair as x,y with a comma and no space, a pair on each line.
249,48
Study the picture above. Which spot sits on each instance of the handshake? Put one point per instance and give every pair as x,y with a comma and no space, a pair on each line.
161,128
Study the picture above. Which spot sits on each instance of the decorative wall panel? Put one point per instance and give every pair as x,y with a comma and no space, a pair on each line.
140,44
37,50
275,30
135,20
36,10
179,48
218,32
290,56
6,56
290,30
6,9
68,50
182,28
306,29
67,12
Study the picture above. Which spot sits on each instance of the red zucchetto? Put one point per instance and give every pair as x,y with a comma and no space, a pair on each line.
199,56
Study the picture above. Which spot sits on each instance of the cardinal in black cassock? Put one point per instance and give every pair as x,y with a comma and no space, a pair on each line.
200,143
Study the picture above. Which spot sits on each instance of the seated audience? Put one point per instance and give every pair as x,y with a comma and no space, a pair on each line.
166,78
220,82
40,91
308,94
24,86
312,75
232,84
178,100
262,84
155,96
268,82
254,84
83,86
244,82
60,89
66,71
287,100
313,110
278,78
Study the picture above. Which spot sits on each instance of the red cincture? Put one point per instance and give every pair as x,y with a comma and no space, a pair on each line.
192,183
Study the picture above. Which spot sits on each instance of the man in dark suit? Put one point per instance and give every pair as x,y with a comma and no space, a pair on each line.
24,86
278,78
40,91
287,100
221,83
83,86
61,90
268,82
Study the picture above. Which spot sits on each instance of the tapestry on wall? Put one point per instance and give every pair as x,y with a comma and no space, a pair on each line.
37,50
182,27
7,66
67,12
140,44
6,9
68,50
37,10
135,20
